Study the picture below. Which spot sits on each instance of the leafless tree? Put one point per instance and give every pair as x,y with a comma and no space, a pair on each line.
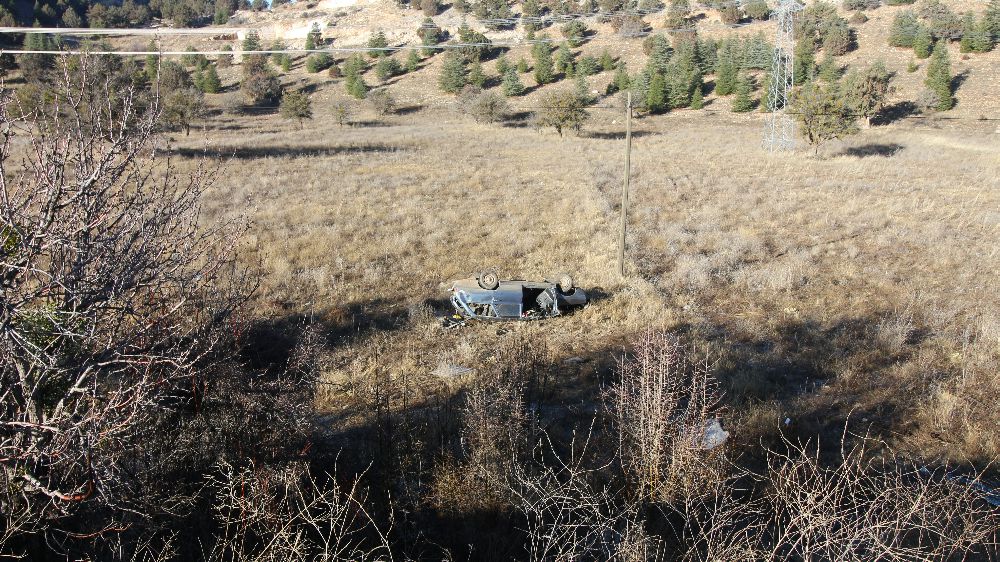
112,300
287,514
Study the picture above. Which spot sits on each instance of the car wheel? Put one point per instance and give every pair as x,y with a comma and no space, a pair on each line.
489,280
565,283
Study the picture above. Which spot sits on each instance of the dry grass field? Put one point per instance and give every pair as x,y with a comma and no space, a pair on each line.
858,288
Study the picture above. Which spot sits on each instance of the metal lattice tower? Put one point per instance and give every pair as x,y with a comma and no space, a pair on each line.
779,133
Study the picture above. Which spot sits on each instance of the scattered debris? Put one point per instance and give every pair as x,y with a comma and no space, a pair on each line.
447,370
486,297
714,435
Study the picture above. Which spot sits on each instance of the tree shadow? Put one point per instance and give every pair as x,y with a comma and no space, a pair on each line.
895,112
409,109
613,135
259,152
873,149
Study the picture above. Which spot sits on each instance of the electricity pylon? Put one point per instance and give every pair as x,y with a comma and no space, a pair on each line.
779,133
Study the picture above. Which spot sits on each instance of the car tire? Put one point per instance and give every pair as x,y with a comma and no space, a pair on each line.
565,282
488,280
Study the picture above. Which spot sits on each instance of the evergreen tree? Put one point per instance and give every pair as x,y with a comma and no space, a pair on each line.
904,29
743,102
659,53
378,43
152,63
829,70
413,61
355,85
620,81
991,20
544,72
725,73
804,63
502,64
512,85
210,83
939,76
923,42
281,60
387,68
564,60
252,41
296,105
867,90
476,74
583,90
969,26
522,65
452,78
822,113
656,97
639,85
606,61
697,100
314,38
984,40
318,62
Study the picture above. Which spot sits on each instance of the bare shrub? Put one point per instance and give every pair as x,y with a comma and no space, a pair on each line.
894,330
290,514
569,515
869,505
484,107
662,404
114,301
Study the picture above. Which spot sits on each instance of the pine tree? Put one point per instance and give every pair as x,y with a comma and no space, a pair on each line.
923,42
582,89
564,60
804,63
656,98
984,40
991,19
210,83
356,87
544,73
502,64
659,53
453,77
743,102
904,29
296,105
314,38
378,43
476,74
413,61
606,62
512,85
252,41
939,76
725,73
522,65
829,70
697,101
152,64
967,44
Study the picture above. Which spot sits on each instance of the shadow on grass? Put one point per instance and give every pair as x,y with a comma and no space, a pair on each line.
895,112
258,152
873,149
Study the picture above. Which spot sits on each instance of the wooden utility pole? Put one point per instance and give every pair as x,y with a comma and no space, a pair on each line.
628,173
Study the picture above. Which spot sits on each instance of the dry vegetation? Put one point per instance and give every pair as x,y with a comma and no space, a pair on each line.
839,315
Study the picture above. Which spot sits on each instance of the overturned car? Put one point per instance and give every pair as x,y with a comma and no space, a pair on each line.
486,297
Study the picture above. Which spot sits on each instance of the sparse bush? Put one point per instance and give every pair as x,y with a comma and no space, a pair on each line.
484,107
430,7
261,88
296,105
758,9
858,18
562,111
382,102
182,106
